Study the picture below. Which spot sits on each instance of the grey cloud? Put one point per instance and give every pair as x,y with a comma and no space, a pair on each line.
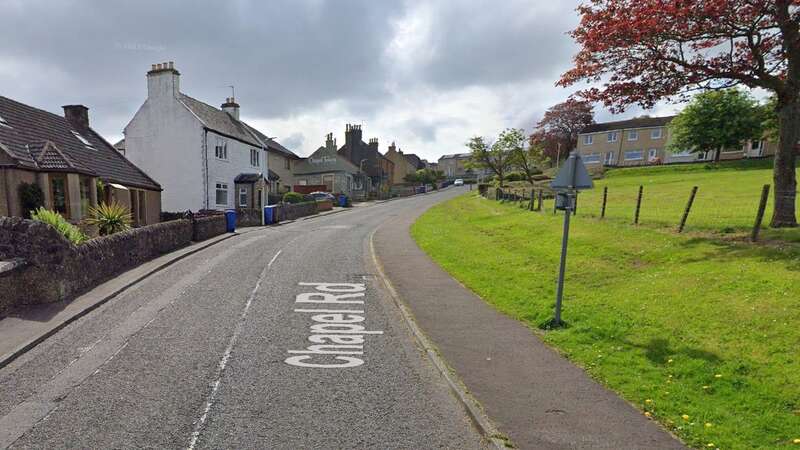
293,141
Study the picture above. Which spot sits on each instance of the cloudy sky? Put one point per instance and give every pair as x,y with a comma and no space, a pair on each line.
426,74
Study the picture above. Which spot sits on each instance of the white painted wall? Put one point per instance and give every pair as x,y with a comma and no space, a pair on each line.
166,140
225,171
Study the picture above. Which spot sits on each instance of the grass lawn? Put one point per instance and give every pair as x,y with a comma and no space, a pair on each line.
726,203
703,334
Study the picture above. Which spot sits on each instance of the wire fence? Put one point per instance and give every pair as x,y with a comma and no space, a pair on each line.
743,208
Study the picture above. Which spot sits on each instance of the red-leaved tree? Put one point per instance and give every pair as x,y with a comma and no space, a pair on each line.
642,51
558,130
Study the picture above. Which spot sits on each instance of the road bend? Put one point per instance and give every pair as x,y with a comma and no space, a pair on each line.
278,338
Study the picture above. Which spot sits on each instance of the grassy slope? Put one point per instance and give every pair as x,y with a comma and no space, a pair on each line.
695,326
726,202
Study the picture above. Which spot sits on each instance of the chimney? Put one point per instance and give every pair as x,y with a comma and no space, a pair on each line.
392,147
352,135
163,81
330,142
77,116
373,144
231,107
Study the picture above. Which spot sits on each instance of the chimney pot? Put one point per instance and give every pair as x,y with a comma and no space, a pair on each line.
152,67
171,64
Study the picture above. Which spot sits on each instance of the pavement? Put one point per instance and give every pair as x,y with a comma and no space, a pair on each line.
533,395
243,345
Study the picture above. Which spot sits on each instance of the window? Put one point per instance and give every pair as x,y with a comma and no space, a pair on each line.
86,195
222,194
221,149
243,197
302,182
255,160
655,133
593,158
82,139
609,158
633,135
755,145
612,136
651,154
588,139
327,180
634,155
58,190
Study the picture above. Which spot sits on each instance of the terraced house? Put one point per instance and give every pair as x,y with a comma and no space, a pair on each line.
68,160
643,141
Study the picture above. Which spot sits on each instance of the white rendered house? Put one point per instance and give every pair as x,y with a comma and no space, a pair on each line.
206,157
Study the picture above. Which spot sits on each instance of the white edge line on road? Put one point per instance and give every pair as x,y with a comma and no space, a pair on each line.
198,428
470,404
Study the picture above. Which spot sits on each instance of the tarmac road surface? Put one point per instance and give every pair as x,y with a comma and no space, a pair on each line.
277,338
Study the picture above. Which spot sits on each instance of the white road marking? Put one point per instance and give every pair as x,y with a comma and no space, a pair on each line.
198,428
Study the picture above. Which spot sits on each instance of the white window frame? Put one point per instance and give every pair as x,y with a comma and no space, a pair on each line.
633,135
652,154
656,133
592,158
255,157
612,136
588,139
608,158
760,145
640,158
243,192
221,186
221,149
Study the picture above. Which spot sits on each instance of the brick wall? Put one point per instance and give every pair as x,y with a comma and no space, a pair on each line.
208,227
288,211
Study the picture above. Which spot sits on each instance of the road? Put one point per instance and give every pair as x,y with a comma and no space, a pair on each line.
281,337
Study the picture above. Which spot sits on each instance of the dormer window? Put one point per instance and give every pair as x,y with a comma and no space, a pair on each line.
82,139
3,123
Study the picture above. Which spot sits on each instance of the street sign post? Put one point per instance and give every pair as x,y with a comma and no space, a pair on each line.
572,178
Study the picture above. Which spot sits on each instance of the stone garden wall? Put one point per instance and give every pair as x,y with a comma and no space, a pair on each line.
38,265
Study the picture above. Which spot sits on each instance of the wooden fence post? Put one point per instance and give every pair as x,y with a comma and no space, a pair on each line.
541,199
605,197
762,206
638,205
688,208
530,204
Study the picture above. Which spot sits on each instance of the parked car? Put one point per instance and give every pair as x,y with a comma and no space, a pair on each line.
458,182
319,195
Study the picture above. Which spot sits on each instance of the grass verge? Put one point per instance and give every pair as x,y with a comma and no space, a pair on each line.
701,334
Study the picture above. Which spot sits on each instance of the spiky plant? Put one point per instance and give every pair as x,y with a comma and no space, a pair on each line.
110,218
57,221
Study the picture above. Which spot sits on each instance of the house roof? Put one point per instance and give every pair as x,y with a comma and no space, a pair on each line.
324,160
455,156
414,160
272,144
638,122
247,178
43,141
219,121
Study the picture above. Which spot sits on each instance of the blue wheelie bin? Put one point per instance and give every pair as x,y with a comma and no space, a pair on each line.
269,215
342,200
230,220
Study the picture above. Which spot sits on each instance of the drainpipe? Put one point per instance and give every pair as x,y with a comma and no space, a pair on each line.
205,167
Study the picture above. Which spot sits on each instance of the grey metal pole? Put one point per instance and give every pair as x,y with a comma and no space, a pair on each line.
563,265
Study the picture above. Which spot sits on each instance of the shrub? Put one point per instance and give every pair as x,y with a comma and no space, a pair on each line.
110,218
57,221
31,198
293,197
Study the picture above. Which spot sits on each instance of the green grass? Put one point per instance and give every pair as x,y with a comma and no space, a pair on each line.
699,326
726,203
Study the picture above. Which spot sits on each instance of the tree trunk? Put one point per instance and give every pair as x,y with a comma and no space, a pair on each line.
717,155
784,175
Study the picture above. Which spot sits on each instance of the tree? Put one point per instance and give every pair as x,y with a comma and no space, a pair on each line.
496,157
559,128
425,176
529,161
717,120
643,51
